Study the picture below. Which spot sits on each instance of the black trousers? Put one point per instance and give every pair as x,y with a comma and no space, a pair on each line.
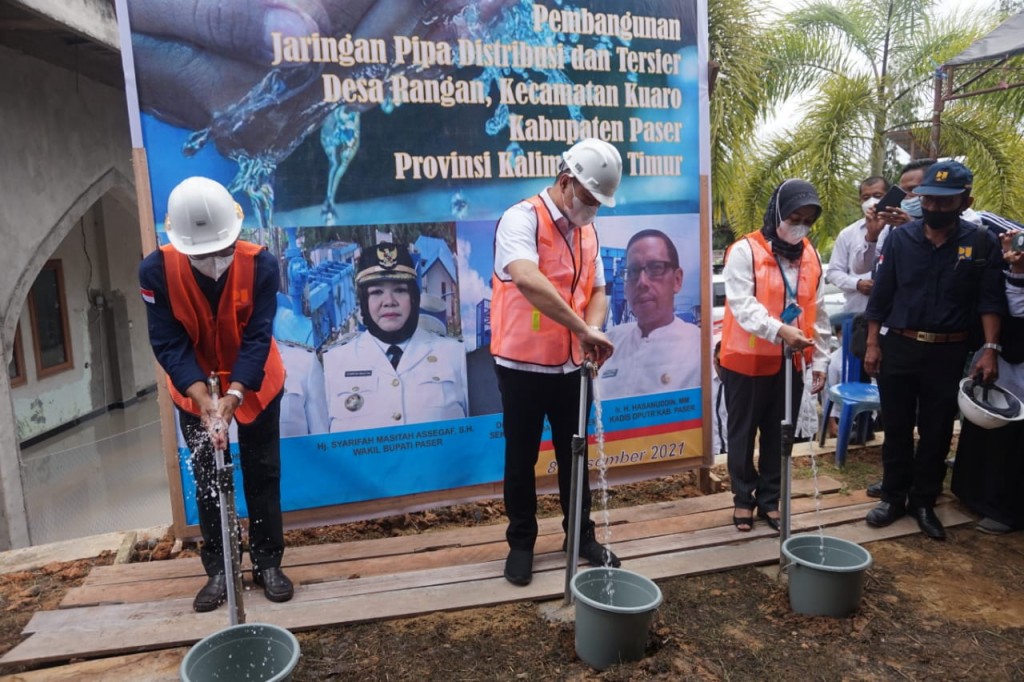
917,378
757,405
260,453
526,399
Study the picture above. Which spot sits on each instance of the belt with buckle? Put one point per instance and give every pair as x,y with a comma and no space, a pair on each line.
929,337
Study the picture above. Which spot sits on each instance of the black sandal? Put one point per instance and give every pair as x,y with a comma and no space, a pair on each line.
774,522
747,521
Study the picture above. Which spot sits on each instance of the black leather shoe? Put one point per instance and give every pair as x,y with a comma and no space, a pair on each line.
276,585
928,522
885,513
597,554
213,594
875,490
519,567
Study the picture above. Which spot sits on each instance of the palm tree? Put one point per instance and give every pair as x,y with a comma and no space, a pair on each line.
866,68
739,98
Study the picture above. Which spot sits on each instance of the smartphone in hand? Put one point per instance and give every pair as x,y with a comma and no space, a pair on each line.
890,200
1017,242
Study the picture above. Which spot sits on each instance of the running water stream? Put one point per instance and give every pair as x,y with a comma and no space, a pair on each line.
605,537
817,497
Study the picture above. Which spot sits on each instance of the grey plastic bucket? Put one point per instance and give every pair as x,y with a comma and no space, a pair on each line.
254,652
614,610
826,574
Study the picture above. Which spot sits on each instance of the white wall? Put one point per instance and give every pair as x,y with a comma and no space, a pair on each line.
65,146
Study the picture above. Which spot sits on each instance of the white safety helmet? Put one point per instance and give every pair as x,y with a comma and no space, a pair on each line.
989,406
598,167
202,217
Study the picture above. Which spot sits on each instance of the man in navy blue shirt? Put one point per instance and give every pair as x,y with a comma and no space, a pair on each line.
935,276
211,300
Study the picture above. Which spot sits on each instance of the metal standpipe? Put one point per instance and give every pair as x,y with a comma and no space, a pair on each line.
228,522
579,470
788,430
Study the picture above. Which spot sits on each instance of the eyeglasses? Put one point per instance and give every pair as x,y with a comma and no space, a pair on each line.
655,269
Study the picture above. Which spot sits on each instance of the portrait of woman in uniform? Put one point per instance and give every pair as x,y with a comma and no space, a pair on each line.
402,369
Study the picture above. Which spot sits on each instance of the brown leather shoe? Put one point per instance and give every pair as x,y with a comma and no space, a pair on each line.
213,594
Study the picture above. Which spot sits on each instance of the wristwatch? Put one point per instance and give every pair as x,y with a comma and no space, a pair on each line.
237,394
993,346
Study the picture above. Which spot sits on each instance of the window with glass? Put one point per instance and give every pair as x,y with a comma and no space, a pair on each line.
48,310
16,367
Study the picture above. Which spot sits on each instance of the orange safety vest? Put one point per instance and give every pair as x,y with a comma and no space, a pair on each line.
520,332
749,354
216,339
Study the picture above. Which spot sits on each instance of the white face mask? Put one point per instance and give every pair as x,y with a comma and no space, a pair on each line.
792,234
868,203
212,267
577,212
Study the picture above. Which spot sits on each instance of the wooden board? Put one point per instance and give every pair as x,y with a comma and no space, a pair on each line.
100,636
429,541
462,571
717,533
127,628
418,555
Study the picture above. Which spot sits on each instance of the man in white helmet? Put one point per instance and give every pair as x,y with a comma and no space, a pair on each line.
211,300
546,314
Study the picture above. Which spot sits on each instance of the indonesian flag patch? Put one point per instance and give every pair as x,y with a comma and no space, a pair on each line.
147,295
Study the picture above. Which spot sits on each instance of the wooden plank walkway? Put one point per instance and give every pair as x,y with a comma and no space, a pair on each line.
130,608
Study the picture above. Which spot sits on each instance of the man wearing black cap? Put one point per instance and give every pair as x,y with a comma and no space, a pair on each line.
395,373
929,285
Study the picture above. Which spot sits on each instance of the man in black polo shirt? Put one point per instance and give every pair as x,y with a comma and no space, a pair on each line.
929,286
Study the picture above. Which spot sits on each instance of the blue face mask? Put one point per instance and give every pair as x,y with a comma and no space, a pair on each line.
912,206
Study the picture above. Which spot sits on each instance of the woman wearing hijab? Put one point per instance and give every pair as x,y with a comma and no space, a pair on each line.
774,297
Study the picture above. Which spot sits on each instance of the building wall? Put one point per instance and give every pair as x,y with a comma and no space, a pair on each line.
112,362
67,155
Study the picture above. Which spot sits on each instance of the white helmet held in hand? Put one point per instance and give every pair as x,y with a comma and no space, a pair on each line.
988,405
202,217
598,167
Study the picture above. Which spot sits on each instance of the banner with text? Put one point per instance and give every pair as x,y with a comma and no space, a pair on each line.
407,128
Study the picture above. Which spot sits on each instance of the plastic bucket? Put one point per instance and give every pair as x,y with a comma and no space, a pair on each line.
254,652
614,610
826,574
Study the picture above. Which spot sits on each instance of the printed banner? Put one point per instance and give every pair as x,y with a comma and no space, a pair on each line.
403,129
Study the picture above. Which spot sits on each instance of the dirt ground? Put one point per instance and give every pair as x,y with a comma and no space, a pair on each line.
930,611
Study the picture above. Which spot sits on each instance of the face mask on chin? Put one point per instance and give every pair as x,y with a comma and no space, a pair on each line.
576,211
792,234
212,267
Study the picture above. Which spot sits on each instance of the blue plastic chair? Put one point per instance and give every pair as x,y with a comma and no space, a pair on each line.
851,396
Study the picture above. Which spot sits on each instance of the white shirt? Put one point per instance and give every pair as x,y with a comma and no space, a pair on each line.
303,405
667,359
364,391
516,239
753,317
841,270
